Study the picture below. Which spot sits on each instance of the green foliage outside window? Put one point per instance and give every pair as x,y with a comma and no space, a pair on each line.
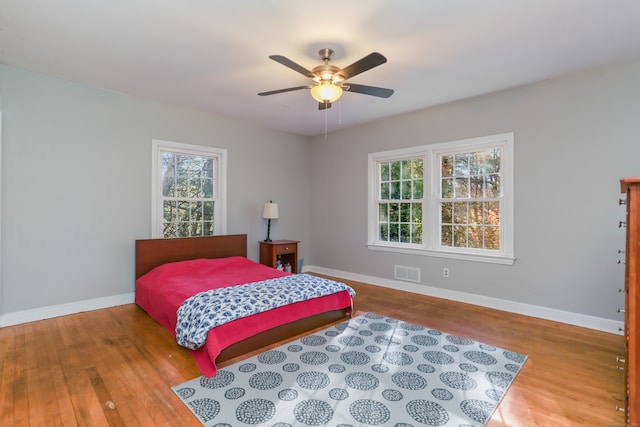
470,212
188,192
400,204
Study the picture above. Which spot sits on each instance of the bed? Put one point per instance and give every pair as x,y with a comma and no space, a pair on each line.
195,255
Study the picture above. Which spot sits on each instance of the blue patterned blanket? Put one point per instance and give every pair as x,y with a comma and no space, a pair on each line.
206,310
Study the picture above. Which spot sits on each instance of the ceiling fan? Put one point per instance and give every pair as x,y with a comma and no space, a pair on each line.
329,81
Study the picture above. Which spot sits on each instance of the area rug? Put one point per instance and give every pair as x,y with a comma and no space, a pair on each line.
370,370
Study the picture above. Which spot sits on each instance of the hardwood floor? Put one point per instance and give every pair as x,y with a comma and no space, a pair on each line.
115,367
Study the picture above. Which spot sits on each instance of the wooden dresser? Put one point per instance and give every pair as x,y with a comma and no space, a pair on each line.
631,187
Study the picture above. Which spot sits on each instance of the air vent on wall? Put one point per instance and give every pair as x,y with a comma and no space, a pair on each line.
409,274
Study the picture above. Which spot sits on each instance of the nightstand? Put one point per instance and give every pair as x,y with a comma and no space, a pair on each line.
284,250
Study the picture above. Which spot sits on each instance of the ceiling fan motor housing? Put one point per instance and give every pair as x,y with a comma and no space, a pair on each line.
327,73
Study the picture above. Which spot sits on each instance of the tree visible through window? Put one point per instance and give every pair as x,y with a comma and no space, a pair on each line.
187,195
400,205
453,199
189,190
470,203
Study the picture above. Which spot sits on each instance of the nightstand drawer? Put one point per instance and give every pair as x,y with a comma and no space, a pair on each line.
288,248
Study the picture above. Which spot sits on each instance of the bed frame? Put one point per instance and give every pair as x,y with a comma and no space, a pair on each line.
151,253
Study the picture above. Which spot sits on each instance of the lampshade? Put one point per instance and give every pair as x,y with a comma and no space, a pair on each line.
270,211
326,92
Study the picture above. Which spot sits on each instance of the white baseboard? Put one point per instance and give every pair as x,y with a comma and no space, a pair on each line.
41,313
583,320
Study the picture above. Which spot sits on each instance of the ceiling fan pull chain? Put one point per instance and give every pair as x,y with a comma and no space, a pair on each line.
326,115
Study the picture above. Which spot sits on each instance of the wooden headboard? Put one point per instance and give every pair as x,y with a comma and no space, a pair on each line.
151,253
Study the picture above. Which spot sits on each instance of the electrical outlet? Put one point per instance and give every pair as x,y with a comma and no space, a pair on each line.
445,272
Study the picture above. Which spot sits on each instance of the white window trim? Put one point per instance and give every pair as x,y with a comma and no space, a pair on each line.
431,233
220,210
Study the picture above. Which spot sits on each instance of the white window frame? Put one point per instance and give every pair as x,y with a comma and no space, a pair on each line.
431,243
220,182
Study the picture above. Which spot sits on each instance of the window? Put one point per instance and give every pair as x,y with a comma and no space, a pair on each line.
470,199
449,200
400,204
189,190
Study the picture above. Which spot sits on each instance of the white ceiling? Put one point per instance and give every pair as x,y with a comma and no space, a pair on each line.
214,55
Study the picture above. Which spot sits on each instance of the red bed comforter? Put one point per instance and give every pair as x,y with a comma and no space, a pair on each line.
161,291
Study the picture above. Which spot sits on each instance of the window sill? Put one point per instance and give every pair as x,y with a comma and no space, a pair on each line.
491,259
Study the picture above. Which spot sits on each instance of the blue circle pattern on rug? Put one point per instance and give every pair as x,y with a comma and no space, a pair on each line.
369,371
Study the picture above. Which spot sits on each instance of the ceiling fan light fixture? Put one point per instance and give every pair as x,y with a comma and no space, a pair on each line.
326,92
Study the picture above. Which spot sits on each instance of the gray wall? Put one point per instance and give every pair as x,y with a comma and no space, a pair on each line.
575,137
76,166
76,171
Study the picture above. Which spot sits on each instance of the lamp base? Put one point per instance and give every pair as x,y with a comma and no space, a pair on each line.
268,230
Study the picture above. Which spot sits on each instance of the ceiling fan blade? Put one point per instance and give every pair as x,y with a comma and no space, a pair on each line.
324,105
295,67
368,62
289,89
368,90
